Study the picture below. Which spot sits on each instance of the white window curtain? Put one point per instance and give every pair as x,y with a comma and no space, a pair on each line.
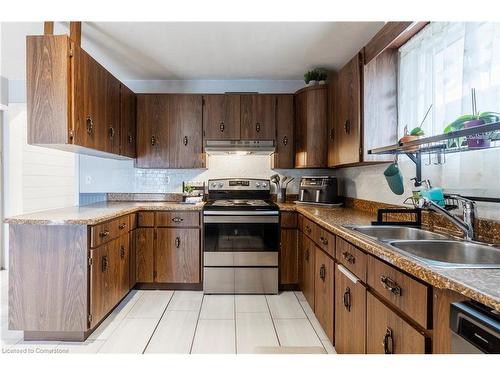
440,65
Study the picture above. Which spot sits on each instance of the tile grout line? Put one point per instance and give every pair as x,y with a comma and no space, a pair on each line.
235,330
272,320
197,321
158,323
309,320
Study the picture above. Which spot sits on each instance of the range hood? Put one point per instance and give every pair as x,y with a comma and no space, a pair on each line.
239,147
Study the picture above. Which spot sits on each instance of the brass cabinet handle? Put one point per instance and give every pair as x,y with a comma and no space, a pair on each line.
177,219
349,257
104,233
347,127
104,263
111,132
185,141
390,285
332,134
308,229
221,127
177,242
285,140
122,252
90,125
122,226
153,140
323,240
130,139
322,272
257,127
388,342
306,254
347,299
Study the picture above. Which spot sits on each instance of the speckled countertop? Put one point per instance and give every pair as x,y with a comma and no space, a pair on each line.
97,212
482,285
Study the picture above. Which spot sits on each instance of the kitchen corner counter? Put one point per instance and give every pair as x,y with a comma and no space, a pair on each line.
482,285
96,213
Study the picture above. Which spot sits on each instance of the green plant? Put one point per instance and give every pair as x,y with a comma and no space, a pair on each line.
188,189
318,74
417,131
322,74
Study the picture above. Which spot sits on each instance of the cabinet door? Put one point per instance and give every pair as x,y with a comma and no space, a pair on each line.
300,129
112,113
348,115
127,122
100,289
185,131
124,266
289,272
316,142
387,333
221,116
152,131
258,116
132,259
307,279
177,255
284,155
323,291
350,314
144,242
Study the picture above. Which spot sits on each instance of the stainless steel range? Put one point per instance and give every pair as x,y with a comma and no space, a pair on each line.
241,237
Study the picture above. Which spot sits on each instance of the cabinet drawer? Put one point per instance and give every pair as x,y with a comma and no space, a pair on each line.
388,333
351,257
288,220
309,228
102,233
325,240
146,219
177,219
403,291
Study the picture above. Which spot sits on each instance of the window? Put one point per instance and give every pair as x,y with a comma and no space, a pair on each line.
440,65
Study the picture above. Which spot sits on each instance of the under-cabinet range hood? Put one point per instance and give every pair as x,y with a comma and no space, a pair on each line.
239,147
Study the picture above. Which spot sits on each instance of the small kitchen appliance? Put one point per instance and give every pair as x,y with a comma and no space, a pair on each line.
322,190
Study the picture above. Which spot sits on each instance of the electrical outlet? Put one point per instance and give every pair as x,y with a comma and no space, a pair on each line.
167,180
88,179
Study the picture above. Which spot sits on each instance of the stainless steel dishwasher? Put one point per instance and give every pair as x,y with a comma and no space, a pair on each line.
475,329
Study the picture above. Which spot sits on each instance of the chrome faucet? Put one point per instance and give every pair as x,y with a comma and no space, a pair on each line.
469,213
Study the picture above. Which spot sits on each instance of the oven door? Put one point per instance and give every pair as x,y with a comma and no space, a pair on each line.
241,233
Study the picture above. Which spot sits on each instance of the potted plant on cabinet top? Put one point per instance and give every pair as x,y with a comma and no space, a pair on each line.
312,77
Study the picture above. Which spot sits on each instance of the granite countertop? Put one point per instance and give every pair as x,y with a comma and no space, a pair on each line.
96,213
482,285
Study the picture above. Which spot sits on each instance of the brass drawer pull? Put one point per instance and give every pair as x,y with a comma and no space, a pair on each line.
111,132
347,127
285,140
323,240
122,252
154,141
388,342
349,257
390,285
122,226
347,299
104,233
177,219
257,127
90,125
308,229
130,139
177,242
185,141
306,254
104,264
221,127
322,272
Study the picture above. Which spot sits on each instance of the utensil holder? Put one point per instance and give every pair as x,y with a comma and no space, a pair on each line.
282,195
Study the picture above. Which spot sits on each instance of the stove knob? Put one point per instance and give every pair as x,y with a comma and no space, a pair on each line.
214,185
221,185
264,185
257,185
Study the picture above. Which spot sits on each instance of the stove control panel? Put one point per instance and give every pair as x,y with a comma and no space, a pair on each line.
238,184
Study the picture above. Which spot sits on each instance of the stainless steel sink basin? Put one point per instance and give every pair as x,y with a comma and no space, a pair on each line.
390,232
450,254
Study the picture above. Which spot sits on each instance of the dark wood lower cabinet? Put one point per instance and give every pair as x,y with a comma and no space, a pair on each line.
289,272
307,251
132,259
324,291
350,313
144,242
387,333
177,255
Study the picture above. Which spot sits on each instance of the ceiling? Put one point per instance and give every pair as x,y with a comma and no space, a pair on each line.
203,50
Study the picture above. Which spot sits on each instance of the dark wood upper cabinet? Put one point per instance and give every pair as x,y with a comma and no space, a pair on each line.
284,156
185,131
221,116
258,116
128,122
347,115
152,131
311,115
73,102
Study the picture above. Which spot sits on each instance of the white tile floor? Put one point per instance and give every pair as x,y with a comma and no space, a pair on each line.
191,322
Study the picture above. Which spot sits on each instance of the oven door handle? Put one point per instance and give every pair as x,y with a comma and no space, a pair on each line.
224,219
241,213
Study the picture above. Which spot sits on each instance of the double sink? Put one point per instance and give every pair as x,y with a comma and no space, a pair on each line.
432,248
